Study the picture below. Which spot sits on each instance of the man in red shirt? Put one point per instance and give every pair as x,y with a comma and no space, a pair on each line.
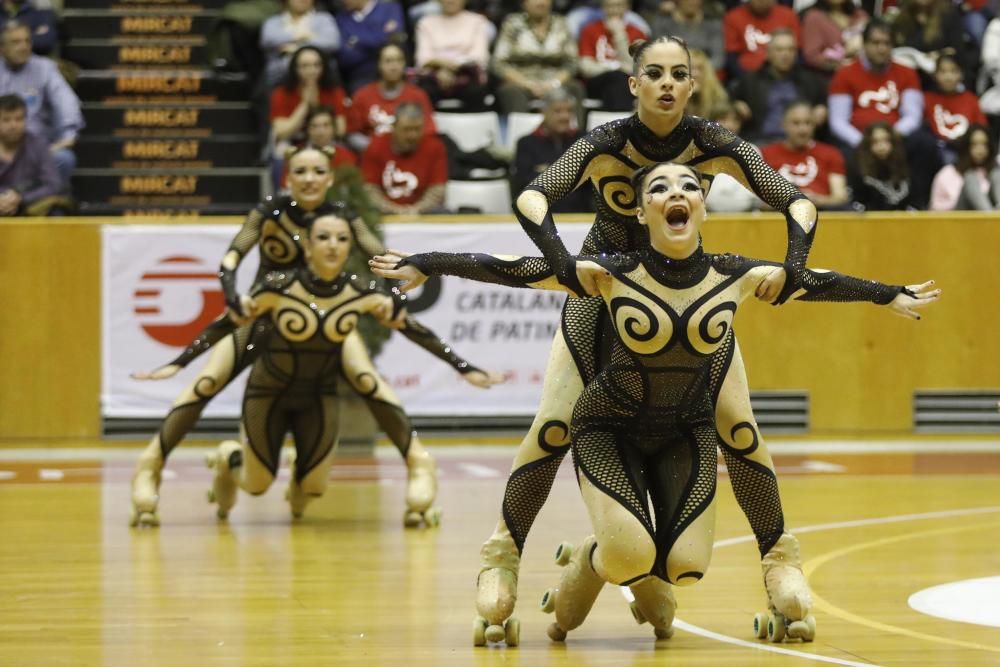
874,88
604,60
406,171
747,30
817,169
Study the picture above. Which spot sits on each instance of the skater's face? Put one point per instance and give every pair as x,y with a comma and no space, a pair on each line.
328,246
320,130
663,83
309,177
672,205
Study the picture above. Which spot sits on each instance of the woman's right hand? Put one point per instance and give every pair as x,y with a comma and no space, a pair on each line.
387,266
161,373
249,308
592,276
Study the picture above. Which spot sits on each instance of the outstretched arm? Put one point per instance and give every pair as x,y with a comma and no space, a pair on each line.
823,285
427,339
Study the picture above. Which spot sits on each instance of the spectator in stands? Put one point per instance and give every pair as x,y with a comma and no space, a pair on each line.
762,97
535,53
831,34
873,88
878,176
365,26
53,107
973,182
747,29
43,24
709,94
604,60
301,24
950,110
321,133
700,22
453,55
930,28
28,176
308,83
536,151
406,171
372,110
726,194
815,168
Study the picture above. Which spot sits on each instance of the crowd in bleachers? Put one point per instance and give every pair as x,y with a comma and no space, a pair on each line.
890,105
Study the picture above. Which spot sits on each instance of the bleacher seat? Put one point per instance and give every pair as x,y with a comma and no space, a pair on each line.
489,196
595,118
520,124
470,131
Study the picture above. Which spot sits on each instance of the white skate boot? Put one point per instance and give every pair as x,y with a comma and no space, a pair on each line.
578,588
421,489
146,488
788,595
228,456
497,591
654,602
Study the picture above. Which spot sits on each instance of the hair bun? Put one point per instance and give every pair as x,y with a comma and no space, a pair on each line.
635,47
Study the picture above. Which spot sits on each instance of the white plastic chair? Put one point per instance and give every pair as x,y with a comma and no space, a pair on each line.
470,131
519,124
491,196
595,118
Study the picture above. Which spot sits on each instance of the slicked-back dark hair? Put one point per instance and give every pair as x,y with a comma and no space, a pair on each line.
639,46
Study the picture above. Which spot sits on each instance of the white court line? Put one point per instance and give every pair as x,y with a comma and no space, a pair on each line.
899,518
479,471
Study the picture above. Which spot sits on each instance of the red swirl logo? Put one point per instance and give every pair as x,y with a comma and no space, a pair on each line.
165,295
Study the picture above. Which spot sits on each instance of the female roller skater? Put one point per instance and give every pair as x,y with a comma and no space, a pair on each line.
277,225
660,131
644,430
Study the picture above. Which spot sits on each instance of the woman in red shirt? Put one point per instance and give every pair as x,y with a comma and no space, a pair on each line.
951,110
309,84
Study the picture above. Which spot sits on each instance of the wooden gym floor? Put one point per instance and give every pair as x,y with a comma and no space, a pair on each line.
347,585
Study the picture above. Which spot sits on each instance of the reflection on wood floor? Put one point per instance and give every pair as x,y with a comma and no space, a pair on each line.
348,585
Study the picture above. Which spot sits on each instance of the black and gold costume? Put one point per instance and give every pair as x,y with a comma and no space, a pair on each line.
643,429
607,157
276,225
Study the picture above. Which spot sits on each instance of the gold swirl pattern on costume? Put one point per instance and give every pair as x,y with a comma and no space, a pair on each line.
643,325
295,321
613,181
709,324
277,245
342,320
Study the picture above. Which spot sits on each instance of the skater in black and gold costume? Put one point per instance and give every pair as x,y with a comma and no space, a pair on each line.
276,225
643,430
310,310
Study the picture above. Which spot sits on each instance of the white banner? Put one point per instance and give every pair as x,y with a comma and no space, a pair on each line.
161,288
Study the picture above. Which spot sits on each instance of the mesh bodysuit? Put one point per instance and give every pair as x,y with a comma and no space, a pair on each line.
293,381
276,225
607,157
643,430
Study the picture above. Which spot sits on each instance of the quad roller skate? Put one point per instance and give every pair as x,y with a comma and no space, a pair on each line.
146,490
497,592
788,596
654,602
228,456
578,588
421,489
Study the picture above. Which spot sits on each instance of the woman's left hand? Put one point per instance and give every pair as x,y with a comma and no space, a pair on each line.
770,288
904,304
482,379
386,266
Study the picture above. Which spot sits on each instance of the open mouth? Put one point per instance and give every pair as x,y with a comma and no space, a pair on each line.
667,99
677,217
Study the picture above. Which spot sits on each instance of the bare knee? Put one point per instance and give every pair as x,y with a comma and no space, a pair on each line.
624,560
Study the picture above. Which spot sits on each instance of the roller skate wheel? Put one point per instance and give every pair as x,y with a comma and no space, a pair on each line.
760,626
139,519
479,631
548,604
776,628
556,633
563,554
636,613
432,517
222,514
804,629
495,634
411,519
662,633
810,622
512,631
